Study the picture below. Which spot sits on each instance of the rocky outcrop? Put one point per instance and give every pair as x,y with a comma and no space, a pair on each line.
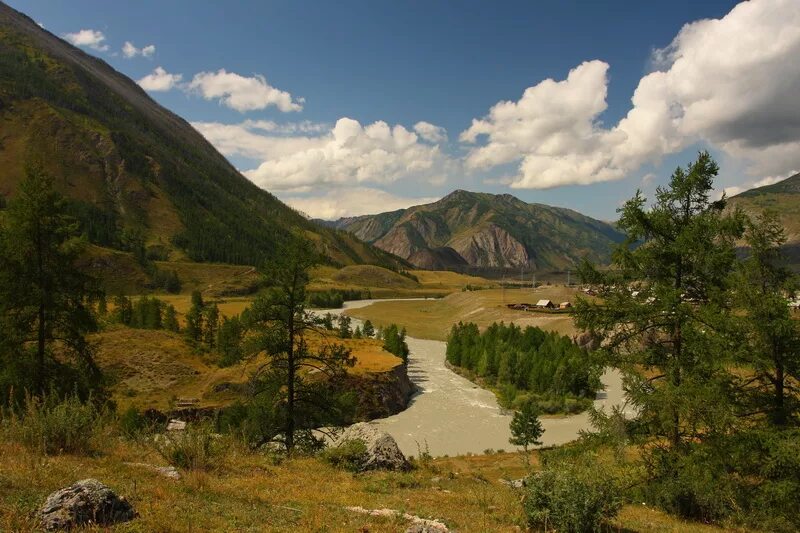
86,502
381,394
418,524
491,247
382,450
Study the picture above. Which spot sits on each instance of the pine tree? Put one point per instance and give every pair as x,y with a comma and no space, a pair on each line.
194,318
344,327
292,405
526,428
211,325
771,337
368,330
44,297
171,319
665,316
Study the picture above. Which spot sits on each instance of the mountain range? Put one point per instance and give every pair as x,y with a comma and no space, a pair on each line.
131,169
135,172
471,229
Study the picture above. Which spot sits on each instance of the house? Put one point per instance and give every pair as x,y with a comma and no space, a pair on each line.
564,305
545,304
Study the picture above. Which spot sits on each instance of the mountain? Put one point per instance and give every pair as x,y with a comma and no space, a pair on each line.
131,169
488,231
783,198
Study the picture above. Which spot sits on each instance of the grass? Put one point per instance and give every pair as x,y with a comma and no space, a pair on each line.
249,492
432,319
150,368
383,283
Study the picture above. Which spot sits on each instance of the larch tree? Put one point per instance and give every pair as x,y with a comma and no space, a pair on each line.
45,299
770,345
297,384
665,312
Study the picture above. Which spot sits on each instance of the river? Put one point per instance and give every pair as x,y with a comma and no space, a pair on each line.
450,415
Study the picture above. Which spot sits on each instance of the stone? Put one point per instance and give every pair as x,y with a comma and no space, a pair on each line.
176,425
382,450
86,502
169,472
514,483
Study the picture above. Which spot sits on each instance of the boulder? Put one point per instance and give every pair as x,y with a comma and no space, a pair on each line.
86,502
382,450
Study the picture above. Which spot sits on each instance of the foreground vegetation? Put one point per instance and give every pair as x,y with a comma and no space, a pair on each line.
251,491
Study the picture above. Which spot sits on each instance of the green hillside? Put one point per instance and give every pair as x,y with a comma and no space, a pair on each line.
133,170
782,198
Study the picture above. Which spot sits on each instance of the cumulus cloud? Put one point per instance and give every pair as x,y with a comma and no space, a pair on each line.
129,50
355,201
346,154
159,80
431,133
729,82
242,93
88,39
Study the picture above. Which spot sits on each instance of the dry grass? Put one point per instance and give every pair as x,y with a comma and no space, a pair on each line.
383,283
150,369
432,319
250,493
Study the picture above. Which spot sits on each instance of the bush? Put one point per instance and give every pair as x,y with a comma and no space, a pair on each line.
132,423
349,455
196,448
571,497
53,425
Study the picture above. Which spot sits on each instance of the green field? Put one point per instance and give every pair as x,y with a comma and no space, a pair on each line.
432,319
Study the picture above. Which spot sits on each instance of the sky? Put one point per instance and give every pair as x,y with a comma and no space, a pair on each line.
356,107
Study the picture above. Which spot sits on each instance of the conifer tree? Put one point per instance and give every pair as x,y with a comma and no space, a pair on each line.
665,314
770,336
171,319
44,297
292,403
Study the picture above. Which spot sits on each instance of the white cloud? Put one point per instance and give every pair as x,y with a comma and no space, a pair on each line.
130,51
430,132
348,202
242,93
88,38
346,154
159,80
730,82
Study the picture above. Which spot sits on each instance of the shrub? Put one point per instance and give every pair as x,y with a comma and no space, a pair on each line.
132,423
53,425
571,497
196,448
349,455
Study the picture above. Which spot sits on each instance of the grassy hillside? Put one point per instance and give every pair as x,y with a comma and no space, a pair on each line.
783,198
249,492
383,283
131,169
432,319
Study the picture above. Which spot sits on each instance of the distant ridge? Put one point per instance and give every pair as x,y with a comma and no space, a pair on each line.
486,231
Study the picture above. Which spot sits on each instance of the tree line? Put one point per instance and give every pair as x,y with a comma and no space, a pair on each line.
545,366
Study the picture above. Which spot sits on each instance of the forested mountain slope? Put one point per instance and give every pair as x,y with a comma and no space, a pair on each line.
133,170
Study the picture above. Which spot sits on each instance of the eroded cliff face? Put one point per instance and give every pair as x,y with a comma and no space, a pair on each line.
491,247
381,394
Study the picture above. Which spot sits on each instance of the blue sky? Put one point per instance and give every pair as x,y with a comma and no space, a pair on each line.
296,94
